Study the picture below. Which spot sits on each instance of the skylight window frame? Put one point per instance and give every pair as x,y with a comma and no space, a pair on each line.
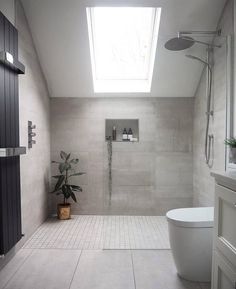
124,85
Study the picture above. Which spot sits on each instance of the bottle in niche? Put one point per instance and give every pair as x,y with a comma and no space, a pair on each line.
124,135
114,133
130,134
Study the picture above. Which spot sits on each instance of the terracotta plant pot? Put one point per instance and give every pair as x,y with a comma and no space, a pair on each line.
232,155
63,211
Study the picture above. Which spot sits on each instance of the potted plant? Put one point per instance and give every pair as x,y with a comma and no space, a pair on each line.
63,186
231,142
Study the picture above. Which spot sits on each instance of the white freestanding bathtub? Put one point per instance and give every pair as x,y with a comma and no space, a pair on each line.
191,236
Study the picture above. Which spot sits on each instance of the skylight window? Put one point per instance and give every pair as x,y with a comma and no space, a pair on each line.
123,46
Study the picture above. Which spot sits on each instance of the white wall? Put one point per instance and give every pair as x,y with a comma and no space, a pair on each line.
7,7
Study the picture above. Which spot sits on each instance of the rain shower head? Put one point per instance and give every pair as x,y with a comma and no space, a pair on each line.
179,43
183,42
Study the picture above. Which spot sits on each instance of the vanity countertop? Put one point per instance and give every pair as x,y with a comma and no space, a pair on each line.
227,179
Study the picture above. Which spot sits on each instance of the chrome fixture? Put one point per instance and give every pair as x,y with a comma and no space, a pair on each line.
31,134
12,152
182,41
109,150
209,138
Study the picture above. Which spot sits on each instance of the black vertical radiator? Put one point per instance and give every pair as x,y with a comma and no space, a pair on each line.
10,150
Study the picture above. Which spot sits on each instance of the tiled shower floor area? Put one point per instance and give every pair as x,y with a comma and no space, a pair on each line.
93,232
72,255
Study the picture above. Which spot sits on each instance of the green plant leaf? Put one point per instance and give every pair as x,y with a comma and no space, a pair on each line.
57,177
59,182
66,191
63,167
55,162
76,188
63,155
66,169
231,142
73,197
74,161
77,174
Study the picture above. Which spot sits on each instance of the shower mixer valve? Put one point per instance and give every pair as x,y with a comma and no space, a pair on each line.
31,134
210,112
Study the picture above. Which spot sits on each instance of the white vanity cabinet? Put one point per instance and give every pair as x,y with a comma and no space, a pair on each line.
224,275
224,245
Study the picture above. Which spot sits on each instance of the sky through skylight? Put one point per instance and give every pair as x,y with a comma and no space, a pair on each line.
123,46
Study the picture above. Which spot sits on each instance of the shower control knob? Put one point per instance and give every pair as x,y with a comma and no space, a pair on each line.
31,134
210,113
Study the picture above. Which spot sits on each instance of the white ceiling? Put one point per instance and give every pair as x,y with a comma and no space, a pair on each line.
59,29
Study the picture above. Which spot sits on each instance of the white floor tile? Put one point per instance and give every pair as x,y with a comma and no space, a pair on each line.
102,232
104,270
93,269
11,268
54,261
46,269
156,270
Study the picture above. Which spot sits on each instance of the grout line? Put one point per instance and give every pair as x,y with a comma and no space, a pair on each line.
103,232
18,268
132,260
77,264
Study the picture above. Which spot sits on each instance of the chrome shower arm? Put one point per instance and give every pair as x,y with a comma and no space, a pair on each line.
200,60
200,42
189,32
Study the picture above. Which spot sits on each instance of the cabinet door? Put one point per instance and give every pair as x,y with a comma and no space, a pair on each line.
224,275
225,222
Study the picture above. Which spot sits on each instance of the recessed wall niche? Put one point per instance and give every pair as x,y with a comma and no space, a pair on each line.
120,125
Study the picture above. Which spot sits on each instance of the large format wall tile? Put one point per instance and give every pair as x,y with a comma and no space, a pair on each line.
203,183
148,176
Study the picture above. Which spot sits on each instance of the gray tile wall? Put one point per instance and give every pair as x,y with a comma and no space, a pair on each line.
34,105
149,177
203,183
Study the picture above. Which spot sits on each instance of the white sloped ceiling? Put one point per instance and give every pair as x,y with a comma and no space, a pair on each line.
59,30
